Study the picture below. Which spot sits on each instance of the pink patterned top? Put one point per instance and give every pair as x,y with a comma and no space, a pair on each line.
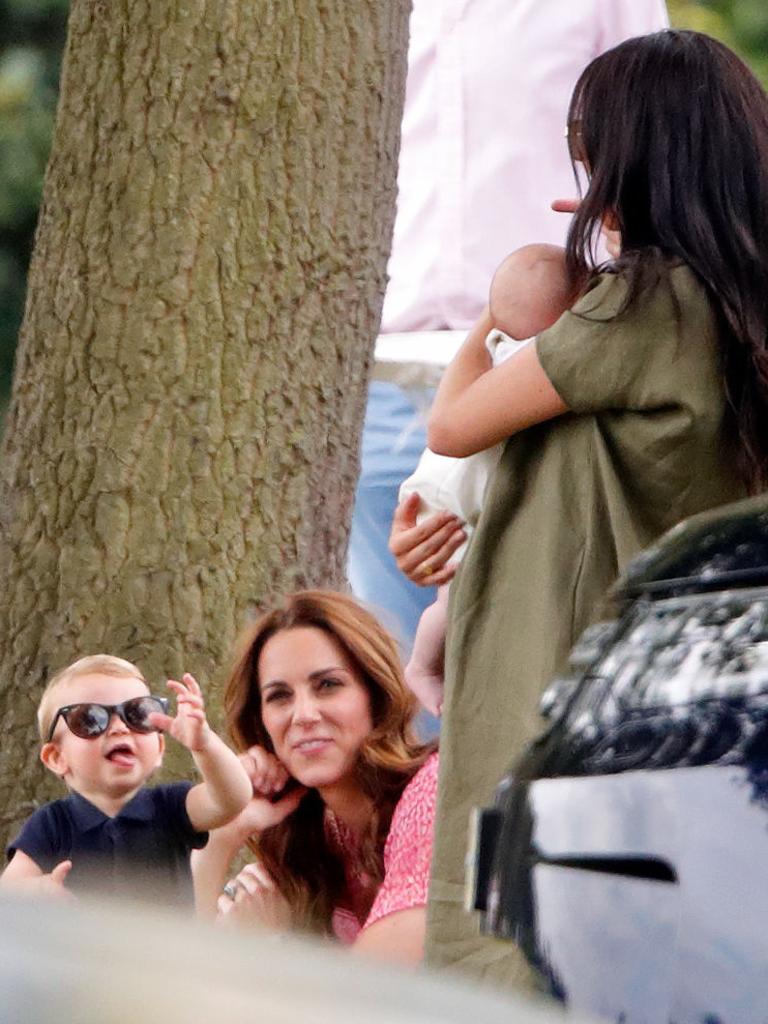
407,857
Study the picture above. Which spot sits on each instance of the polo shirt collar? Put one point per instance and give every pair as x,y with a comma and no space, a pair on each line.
87,816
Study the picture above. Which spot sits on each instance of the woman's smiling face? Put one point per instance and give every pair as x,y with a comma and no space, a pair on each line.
314,705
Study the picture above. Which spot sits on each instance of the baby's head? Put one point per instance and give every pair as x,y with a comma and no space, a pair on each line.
530,290
97,751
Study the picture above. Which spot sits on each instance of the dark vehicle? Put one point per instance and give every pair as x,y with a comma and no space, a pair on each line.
628,851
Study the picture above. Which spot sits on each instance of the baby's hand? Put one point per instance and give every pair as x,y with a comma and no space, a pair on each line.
189,726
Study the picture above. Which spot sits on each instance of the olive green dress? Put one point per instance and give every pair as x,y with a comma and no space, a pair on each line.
573,499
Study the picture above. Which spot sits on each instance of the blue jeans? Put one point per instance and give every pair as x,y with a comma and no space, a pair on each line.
394,437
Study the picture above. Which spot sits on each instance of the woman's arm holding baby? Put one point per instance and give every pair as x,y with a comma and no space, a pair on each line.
478,405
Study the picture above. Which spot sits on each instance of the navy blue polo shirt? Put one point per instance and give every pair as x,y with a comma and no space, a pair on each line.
141,853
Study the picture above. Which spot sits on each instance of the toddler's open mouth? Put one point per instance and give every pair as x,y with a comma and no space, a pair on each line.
122,754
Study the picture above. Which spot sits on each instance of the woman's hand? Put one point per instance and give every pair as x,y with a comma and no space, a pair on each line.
267,773
253,899
270,804
422,550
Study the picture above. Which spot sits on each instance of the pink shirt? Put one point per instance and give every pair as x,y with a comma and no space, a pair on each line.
407,856
483,151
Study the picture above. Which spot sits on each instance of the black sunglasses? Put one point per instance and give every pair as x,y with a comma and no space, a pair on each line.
89,720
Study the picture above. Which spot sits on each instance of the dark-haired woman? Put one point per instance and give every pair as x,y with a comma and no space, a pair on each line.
342,817
645,403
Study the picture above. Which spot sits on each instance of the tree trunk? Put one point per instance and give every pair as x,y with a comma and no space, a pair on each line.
183,437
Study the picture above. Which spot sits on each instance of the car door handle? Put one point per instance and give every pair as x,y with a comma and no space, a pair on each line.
654,869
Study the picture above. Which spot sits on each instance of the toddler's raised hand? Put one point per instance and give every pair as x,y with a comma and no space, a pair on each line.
189,725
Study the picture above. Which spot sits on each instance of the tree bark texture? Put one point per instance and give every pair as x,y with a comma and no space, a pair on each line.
209,267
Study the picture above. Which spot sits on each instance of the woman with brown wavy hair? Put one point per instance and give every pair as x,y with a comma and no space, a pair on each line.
344,793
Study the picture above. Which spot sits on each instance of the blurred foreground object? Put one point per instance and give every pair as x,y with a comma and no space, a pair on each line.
90,965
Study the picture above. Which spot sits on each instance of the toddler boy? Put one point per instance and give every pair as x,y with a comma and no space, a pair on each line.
102,734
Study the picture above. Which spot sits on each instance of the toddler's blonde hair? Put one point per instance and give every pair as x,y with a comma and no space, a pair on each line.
94,664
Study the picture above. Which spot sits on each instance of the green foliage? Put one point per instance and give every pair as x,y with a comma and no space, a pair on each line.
741,24
30,57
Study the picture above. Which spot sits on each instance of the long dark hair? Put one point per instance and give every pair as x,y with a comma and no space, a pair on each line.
296,852
672,129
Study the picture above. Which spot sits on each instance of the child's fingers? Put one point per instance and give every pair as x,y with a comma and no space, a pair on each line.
60,872
185,698
160,721
181,690
194,715
189,701
192,684
187,691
